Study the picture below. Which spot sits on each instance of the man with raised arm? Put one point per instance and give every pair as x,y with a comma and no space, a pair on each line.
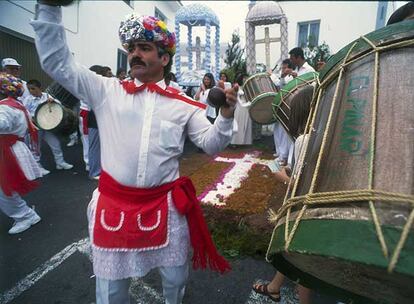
143,214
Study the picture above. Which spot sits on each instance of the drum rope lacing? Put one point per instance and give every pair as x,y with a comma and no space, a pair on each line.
285,94
335,197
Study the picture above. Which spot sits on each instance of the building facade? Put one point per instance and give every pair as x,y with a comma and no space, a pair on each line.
91,30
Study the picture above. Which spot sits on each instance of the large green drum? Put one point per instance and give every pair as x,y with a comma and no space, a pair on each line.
346,226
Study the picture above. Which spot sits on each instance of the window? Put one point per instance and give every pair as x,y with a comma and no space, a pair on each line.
308,33
122,61
158,14
381,14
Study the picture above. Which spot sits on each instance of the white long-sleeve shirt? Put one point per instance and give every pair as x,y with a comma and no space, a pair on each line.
13,121
142,136
305,68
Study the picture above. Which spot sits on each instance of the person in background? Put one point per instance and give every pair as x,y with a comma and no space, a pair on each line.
282,140
143,215
121,74
17,166
171,81
32,102
94,151
297,58
202,94
12,67
243,135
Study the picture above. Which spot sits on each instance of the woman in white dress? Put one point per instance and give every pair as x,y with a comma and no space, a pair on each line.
243,135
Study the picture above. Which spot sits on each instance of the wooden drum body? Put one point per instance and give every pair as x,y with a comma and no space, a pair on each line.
346,226
56,118
260,91
282,101
64,96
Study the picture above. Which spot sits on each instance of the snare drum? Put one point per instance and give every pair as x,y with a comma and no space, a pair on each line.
260,91
55,118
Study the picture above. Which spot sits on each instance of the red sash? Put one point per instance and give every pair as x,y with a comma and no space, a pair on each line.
12,178
129,218
84,115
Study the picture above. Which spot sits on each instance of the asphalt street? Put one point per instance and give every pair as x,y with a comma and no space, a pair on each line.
50,263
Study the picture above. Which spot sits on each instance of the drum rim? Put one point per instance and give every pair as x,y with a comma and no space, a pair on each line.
38,109
255,76
326,229
301,80
255,99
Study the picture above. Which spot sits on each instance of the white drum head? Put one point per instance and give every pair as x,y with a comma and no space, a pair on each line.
49,115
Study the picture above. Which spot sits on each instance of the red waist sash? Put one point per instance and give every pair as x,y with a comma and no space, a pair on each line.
129,218
12,178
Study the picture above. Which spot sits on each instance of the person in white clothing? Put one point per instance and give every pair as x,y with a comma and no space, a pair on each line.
83,129
297,58
202,94
17,165
32,102
243,135
12,67
282,140
143,214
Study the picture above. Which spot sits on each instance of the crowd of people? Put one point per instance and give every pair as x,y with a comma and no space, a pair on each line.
102,121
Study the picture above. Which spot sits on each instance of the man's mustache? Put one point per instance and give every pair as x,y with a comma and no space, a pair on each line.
136,61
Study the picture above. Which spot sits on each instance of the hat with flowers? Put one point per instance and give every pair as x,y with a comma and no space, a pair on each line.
146,28
10,85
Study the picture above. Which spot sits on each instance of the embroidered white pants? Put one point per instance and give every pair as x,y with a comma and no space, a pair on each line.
116,291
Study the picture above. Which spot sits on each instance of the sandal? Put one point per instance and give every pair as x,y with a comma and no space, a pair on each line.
262,289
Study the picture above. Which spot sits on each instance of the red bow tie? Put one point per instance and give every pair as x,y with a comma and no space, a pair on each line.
132,88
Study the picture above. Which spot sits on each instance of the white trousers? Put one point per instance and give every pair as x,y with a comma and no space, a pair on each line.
116,291
54,144
283,143
15,207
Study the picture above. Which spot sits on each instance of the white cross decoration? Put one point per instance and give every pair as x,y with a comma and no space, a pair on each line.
233,178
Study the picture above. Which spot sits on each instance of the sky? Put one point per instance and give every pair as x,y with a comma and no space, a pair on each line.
230,13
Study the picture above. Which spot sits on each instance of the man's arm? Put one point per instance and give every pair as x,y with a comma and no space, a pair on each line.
211,138
58,62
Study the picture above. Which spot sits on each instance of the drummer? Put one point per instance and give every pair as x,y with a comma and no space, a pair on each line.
297,58
31,103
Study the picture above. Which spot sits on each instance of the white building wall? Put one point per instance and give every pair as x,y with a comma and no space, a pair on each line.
341,22
91,26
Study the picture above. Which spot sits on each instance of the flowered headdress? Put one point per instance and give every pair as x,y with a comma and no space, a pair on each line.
149,29
10,85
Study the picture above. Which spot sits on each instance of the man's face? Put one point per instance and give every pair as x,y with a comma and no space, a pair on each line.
294,60
34,90
223,77
14,70
145,63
